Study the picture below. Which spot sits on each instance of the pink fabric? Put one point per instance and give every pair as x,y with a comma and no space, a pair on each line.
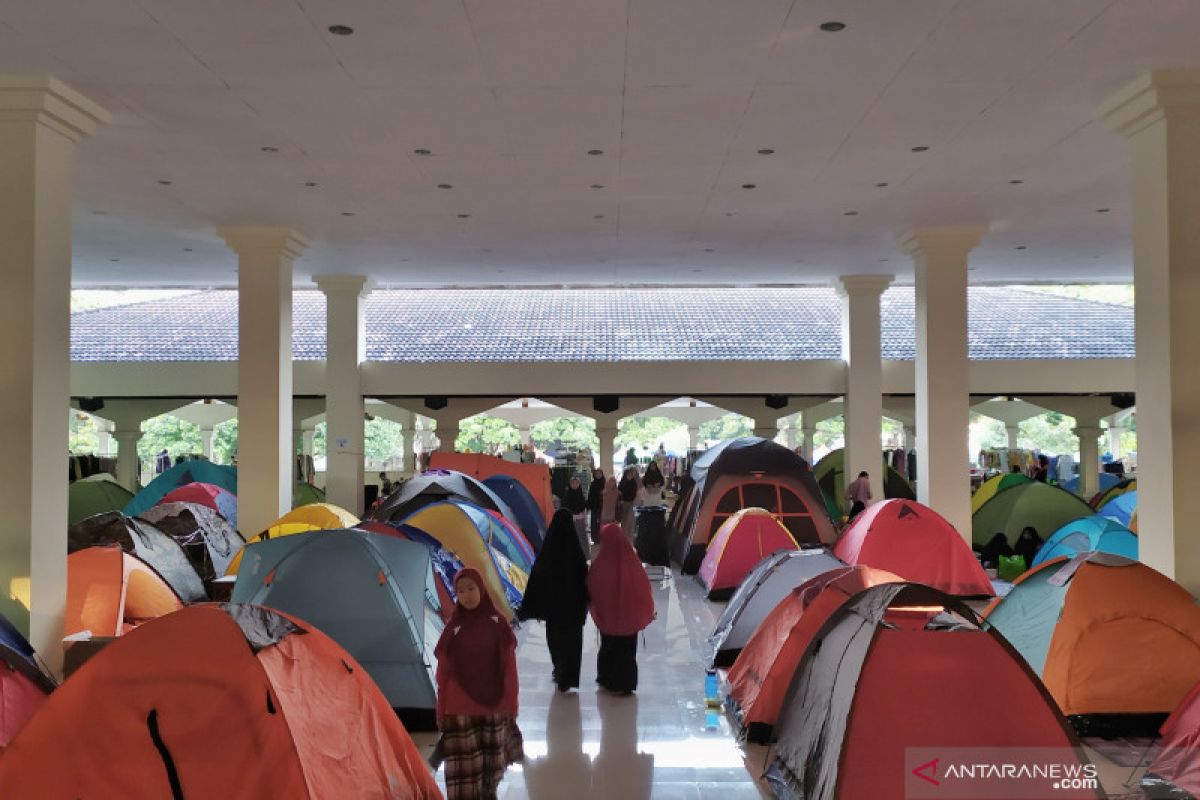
739,544
619,591
916,543
19,699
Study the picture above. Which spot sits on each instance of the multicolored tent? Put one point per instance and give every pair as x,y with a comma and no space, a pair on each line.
1103,496
353,584
207,539
534,477
830,473
1121,508
218,701
89,498
164,555
1085,535
180,475
219,500
1116,643
995,484
1105,480
110,592
23,684
914,541
528,512
311,517
889,688
739,544
1037,505
771,580
437,486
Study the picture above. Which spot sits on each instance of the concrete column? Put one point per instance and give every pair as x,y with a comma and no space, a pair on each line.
345,351
206,442
104,442
943,401
608,439
1014,437
766,431
525,436
1114,441
127,458
693,437
861,350
446,435
1160,114
1089,432
789,436
265,448
808,441
306,441
409,463
41,121
910,437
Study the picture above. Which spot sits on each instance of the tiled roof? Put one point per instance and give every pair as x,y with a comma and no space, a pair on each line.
605,325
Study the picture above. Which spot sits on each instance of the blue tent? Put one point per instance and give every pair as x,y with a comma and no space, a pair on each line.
1120,508
529,516
371,593
179,475
1088,534
1107,481
17,653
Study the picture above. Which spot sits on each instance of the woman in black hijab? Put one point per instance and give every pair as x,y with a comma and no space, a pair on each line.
1028,544
557,593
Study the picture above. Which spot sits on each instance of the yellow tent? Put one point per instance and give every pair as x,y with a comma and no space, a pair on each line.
311,517
457,531
995,484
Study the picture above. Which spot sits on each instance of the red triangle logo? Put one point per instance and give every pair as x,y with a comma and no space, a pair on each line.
931,766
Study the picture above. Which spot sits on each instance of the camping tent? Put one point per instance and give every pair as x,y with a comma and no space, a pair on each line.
768,583
1121,508
763,671
1177,761
913,540
1105,480
305,494
994,485
110,591
1090,533
528,512
23,685
354,585
535,477
219,500
443,564
302,519
207,539
830,474
89,498
741,542
437,486
1043,507
889,689
147,542
742,473
1103,496
466,535
218,701
179,475
1116,643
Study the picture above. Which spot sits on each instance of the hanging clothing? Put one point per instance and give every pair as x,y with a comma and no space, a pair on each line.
621,601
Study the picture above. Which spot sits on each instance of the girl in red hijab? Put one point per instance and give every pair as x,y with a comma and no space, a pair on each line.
622,605
477,693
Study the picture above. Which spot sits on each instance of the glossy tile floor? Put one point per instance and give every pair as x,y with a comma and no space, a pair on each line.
660,742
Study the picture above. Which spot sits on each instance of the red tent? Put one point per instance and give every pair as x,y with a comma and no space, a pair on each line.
917,543
739,544
1178,759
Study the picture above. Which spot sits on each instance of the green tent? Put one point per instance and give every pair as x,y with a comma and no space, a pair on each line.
89,498
830,473
1043,507
304,494
994,485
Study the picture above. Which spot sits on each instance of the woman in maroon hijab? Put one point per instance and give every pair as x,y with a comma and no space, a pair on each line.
477,693
622,605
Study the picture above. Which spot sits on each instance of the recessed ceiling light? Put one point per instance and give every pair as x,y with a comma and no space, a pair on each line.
595,152
99,213
766,151
421,151
850,213
749,186
881,185
164,183
833,27
341,30
1103,210
883,260
1016,181
487,249
710,250
269,149
597,185
697,270
347,213
1021,247
920,148
972,269
310,184
114,259
729,213
464,216
597,216
445,186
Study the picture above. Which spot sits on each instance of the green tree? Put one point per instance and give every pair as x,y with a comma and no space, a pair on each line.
319,439
179,437
383,439
1051,432
225,441
729,426
644,432
83,434
483,434
575,433
830,434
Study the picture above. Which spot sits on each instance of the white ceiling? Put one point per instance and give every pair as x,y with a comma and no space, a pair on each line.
679,94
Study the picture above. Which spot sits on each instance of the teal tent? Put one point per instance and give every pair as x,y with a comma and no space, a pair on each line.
180,475
1095,533
373,594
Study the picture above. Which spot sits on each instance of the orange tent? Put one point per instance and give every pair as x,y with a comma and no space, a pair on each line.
110,591
217,701
760,677
534,477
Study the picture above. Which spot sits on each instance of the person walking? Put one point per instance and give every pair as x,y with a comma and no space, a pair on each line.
653,486
629,487
622,605
574,501
477,693
610,503
595,502
557,594
858,494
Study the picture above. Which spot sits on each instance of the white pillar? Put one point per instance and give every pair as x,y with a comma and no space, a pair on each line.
206,442
127,457
525,435
861,350
1160,114
265,448
1014,437
768,432
608,444
104,442
789,436
693,432
345,352
447,435
943,402
1089,432
409,463
1114,441
41,121
808,441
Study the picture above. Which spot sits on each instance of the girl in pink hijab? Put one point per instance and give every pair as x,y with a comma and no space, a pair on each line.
622,605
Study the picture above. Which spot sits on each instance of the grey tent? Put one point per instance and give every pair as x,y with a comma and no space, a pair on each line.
146,542
436,486
372,594
758,594
209,542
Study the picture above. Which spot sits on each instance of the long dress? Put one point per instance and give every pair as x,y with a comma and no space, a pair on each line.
557,592
622,605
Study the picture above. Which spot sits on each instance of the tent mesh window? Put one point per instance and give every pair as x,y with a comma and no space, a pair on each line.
779,500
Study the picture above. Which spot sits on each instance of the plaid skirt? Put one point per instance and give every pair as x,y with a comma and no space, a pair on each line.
477,751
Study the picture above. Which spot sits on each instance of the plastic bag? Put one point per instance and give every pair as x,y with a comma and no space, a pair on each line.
1011,567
